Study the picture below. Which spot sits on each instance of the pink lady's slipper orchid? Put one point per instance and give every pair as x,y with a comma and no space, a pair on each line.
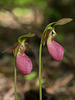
23,62
54,48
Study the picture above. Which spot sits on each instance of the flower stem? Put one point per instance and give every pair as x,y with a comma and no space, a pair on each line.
15,80
40,90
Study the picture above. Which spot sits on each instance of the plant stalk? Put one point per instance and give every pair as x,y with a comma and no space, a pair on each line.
40,90
15,80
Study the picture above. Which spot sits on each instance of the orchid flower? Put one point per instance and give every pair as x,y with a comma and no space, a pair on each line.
23,62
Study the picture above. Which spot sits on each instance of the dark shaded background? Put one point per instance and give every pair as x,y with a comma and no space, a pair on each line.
19,17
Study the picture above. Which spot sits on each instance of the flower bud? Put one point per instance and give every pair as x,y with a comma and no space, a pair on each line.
23,63
55,50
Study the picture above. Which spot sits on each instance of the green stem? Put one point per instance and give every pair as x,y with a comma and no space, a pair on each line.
40,90
15,80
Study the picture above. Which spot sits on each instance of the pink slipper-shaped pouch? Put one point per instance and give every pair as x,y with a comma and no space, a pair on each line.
55,50
24,63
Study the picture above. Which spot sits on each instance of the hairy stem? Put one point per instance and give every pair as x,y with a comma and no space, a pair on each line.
15,80
40,90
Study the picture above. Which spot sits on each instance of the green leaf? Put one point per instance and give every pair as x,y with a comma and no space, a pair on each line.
31,76
63,21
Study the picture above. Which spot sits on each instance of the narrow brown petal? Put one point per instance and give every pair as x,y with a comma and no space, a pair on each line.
11,47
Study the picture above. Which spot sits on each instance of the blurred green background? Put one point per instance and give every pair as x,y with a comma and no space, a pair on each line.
19,17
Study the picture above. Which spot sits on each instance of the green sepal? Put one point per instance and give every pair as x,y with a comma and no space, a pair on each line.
24,37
